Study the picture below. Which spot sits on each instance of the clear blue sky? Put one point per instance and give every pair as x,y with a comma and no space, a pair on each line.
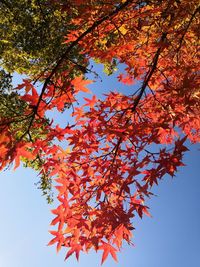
170,238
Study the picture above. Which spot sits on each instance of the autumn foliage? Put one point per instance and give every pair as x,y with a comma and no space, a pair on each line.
121,145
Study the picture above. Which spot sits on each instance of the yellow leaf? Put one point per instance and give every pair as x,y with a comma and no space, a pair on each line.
123,30
66,152
104,41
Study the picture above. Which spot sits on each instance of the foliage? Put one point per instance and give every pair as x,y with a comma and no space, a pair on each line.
5,81
117,147
32,33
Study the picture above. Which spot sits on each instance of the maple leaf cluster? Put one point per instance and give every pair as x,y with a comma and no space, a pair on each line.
120,145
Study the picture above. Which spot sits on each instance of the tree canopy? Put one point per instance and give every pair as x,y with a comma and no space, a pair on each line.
105,163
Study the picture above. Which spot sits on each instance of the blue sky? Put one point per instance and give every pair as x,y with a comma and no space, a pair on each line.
170,238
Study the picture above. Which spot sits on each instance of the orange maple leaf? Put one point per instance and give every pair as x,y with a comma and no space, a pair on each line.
107,248
80,84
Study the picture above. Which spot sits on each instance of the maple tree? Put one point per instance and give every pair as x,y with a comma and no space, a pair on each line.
121,145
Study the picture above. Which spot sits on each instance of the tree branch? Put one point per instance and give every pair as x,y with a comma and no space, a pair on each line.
69,49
